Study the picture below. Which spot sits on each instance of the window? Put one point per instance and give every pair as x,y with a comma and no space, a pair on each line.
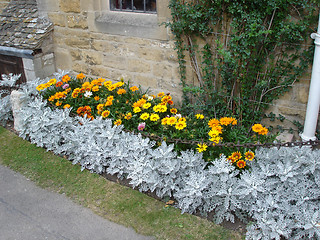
144,6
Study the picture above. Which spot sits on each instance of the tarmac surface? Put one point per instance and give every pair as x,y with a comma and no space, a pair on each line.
28,212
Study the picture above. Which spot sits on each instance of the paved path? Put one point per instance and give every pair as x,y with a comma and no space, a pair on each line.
28,212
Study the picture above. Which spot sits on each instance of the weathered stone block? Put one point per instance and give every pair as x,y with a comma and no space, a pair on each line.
303,94
76,54
17,103
100,71
78,43
152,54
77,21
162,70
80,67
92,57
98,45
116,62
146,81
63,59
139,66
57,19
70,6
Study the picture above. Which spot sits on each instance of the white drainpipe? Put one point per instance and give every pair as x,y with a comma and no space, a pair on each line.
312,112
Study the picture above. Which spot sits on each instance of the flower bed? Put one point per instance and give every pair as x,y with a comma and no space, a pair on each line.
280,192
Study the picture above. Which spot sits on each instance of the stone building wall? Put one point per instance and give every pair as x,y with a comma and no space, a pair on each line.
83,43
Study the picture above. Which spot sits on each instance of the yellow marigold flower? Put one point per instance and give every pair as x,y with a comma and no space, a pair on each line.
213,133
213,122
46,85
164,121
163,108
105,113
199,116
182,119
117,122
249,156
144,116
65,78
40,87
66,106
202,147
234,121
95,88
81,76
215,139
134,88
119,84
161,94
257,127
107,83
128,116
121,91
97,98
77,90
100,107
241,164
52,81
112,87
173,110
110,98
156,108
171,121
58,103
154,117
236,155
180,125
136,109
52,98
146,105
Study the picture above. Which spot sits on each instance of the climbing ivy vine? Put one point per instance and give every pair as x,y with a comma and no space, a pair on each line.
244,54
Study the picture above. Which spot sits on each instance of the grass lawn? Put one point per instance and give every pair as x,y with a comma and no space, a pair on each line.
108,199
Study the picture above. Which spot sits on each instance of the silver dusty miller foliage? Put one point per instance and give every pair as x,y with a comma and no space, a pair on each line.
281,192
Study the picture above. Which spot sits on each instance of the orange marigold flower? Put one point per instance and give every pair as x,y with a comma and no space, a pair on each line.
241,164
58,103
108,103
249,156
74,94
81,76
257,127
173,110
105,113
134,88
59,84
65,78
170,102
226,121
236,155
121,91
100,107
160,94
233,160
66,106
97,98
95,88
110,98
166,98
264,131
213,123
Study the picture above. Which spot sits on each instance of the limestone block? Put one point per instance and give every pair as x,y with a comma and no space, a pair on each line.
76,54
16,99
80,67
139,66
77,21
98,45
100,71
70,6
163,70
116,62
303,94
152,54
57,19
63,59
92,57
147,81
78,43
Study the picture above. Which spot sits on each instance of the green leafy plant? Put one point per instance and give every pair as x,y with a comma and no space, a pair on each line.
244,54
